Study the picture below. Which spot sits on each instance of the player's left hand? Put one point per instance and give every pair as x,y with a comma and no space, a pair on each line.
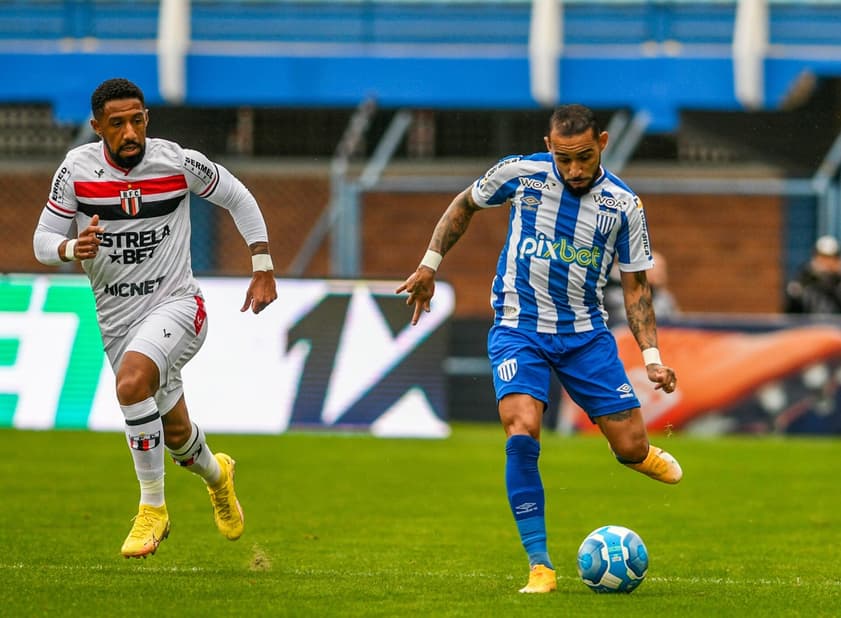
262,291
663,377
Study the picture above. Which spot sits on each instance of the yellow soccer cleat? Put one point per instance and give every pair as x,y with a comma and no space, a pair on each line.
151,526
541,579
660,466
227,511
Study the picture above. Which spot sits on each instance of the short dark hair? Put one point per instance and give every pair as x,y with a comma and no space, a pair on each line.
112,89
574,119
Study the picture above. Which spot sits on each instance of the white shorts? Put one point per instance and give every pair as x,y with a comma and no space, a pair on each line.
170,336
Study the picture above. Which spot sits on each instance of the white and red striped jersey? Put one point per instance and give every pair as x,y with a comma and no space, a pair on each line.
144,258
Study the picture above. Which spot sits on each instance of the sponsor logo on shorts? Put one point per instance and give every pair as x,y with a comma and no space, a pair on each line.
626,390
507,369
144,441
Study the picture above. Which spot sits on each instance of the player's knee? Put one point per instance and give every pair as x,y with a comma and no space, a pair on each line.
175,437
521,426
631,451
132,387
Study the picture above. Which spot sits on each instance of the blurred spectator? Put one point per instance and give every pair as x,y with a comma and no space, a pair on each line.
665,304
817,287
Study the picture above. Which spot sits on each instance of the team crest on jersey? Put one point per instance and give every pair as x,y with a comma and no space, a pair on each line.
507,370
605,222
130,201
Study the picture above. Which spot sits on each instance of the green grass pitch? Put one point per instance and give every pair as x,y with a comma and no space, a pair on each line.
360,526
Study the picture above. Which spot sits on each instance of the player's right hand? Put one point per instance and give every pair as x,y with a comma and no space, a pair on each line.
87,244
421,286
663,376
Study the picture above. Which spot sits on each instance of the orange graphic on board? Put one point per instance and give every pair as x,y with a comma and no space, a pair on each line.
715,369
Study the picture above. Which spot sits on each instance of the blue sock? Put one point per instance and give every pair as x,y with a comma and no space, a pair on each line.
525,495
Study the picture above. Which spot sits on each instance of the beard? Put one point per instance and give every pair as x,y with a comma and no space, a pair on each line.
130,161
584,189
581,190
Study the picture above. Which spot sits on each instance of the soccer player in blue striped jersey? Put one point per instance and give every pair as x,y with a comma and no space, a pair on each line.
569,218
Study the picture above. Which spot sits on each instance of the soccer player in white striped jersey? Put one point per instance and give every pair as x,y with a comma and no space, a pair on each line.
128,198
569,218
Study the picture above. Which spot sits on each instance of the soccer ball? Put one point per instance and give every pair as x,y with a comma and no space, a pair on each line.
612,559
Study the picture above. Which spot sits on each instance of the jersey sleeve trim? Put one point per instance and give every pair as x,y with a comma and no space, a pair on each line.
59,210
209,191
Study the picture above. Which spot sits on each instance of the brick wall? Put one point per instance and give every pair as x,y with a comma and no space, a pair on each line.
724,253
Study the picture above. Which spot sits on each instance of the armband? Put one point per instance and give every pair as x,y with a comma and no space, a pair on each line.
432,259
651,356
70,249
261,262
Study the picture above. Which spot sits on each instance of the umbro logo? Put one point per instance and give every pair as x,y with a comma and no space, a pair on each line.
530,202
525,507
627,391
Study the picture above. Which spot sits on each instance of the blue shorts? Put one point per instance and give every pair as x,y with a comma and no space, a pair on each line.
587,365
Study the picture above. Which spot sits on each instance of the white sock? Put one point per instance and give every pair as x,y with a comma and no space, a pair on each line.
152,492
197,457
145,435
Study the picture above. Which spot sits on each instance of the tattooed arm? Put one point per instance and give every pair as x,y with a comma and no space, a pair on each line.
450,227
453,223
643,325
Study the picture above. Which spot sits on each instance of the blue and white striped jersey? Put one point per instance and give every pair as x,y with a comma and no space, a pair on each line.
560,247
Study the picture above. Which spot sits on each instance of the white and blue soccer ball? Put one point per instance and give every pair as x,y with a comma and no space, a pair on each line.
612,559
